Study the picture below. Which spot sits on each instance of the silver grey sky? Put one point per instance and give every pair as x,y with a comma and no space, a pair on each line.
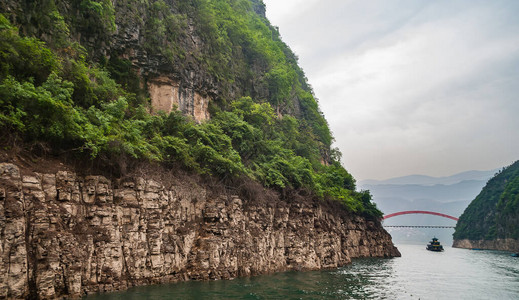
411,86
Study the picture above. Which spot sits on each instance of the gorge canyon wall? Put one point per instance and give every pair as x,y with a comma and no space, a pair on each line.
69,235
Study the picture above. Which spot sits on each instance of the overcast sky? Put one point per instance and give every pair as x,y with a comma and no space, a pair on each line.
411,86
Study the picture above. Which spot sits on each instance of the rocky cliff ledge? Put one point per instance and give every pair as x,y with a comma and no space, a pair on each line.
65,234
498,244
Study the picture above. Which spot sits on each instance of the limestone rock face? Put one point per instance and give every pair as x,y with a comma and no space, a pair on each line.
69,235
166,94
497,244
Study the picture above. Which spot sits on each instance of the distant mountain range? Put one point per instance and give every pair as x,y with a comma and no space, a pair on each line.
449,195
429,180
463,190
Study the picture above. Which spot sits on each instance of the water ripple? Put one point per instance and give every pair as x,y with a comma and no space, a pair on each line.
418,274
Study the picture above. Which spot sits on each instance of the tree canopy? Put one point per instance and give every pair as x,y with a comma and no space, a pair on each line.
494,213
266,124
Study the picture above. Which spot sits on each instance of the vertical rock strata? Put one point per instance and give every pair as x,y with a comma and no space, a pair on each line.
64,234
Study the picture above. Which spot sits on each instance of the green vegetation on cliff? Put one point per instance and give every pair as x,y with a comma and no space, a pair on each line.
494,214
65,82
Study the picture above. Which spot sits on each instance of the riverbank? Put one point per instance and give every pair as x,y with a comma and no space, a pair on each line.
418,274
511,245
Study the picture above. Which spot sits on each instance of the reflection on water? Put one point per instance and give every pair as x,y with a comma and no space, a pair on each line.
418,274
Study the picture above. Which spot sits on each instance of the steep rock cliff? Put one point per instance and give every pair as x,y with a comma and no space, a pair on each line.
65,234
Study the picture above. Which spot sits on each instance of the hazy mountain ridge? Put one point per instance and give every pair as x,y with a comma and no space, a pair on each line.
449,195
433,194
440,192
430,180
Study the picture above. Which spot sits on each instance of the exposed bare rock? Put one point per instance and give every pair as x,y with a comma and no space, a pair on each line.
64,234
497,244
167,94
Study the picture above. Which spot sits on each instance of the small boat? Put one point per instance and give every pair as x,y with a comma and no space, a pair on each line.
434,245
515,254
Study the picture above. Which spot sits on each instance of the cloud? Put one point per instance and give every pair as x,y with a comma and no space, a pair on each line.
413,86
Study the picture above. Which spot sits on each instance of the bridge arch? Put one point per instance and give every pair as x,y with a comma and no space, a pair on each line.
407,212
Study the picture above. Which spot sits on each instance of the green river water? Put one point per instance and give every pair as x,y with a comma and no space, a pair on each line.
418,274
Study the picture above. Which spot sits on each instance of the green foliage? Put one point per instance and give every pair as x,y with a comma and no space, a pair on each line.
314,117
213,151
122,72
24,58
280,80
61,97
92,85
164,31
495,211
97,15
108,129
507,215
42,19
41,112
235,39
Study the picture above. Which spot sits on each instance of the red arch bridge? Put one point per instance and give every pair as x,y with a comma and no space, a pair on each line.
425,212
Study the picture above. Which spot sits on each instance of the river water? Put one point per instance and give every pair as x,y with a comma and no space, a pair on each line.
418,274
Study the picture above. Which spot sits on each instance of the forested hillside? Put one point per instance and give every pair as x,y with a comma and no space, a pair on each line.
494,214
75,78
